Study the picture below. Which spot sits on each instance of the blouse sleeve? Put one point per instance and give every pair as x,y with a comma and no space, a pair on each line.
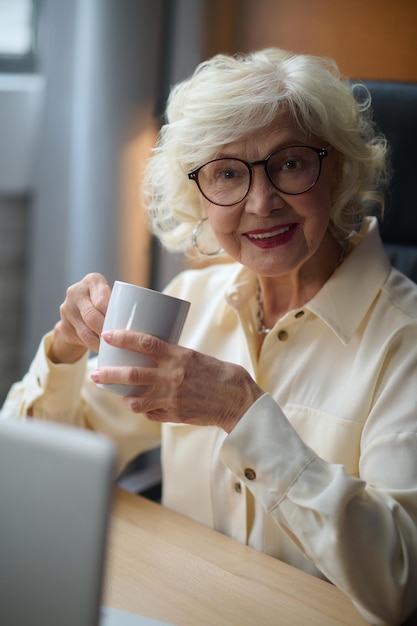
360,532
66,394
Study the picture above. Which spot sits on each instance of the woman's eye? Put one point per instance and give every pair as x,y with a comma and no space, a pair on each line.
290,164
225,174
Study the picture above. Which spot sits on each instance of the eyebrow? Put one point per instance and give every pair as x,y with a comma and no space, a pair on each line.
287,144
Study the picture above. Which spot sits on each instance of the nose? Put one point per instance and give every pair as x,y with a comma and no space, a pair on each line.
263,197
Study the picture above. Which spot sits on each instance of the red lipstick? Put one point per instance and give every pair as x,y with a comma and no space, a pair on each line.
271,237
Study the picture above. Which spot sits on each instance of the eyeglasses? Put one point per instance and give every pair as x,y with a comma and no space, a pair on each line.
292,170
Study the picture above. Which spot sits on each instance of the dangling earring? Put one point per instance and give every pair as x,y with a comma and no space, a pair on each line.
194,240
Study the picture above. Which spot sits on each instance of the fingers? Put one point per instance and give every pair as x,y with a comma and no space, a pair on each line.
141,342
158,384
87,306
126,375
184,386
164,369
99,292
86,302
82,316
151,382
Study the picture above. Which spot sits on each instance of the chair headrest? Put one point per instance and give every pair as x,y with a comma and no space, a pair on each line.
395,113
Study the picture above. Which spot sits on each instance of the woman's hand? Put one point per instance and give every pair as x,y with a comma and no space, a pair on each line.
82,317
184,387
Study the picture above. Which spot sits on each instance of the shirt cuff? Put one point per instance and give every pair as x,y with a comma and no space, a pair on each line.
50,388
265,452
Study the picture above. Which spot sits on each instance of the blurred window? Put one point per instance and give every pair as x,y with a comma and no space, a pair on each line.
17,35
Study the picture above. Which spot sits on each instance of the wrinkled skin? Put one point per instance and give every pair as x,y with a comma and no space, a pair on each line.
185,387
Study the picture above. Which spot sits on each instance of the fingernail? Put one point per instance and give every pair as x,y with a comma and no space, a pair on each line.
107,335
95,376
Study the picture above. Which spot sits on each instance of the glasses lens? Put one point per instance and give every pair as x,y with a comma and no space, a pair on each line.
294,170
224,181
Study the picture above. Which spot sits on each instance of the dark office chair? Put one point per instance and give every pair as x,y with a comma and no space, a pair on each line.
395,113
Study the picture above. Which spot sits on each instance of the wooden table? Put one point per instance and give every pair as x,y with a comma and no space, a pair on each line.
165,566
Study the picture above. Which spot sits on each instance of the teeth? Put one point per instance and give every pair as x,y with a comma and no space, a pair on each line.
273,233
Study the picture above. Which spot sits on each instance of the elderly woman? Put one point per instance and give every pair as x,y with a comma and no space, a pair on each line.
288,416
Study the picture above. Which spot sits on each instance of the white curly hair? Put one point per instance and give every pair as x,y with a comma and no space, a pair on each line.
229,98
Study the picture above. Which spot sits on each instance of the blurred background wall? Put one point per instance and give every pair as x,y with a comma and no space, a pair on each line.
369,39
77,123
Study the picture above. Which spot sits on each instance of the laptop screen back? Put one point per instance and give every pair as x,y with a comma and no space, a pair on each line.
55,492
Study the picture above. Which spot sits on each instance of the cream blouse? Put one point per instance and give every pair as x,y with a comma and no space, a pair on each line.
321,472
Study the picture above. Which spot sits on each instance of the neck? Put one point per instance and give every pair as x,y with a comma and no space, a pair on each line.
280,294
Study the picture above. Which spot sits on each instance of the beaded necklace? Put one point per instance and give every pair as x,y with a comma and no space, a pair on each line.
261,328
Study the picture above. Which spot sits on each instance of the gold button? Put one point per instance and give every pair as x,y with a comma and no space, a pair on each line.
283,335
299,314
250,473
238,488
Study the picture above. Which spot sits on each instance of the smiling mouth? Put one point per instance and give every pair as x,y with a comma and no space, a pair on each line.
270,234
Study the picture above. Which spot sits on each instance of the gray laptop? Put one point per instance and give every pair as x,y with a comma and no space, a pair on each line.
55,494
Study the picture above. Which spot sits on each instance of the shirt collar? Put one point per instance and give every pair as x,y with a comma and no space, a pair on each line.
345,298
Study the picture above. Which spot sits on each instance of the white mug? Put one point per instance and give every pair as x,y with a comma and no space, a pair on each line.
143,310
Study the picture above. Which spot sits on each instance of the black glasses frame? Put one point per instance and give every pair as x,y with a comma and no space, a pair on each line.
321,152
